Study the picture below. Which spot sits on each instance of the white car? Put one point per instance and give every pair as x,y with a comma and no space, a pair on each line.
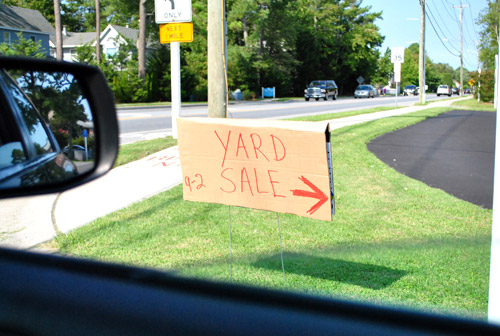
444,90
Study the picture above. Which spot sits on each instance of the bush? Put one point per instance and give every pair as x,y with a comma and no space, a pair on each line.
81,141
249,95
487,85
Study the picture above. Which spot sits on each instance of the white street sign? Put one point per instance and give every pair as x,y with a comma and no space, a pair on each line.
397,72
167,11
397,54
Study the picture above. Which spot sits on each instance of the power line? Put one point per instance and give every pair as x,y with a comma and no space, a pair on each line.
440,39
454,16
437,24
468,33
442,20
472,20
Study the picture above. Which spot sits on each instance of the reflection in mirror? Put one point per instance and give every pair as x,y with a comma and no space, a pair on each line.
46,132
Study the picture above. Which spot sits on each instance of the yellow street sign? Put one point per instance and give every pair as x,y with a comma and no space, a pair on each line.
472,82
176,32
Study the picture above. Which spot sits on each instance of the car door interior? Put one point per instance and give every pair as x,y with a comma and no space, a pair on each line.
42,294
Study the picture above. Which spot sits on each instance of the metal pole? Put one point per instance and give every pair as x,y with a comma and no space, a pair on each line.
479,84
495,99
461,54
175,66
421,54
494,291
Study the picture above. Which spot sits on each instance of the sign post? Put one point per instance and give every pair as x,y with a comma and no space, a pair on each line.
175,69
174,17
397,57
85,134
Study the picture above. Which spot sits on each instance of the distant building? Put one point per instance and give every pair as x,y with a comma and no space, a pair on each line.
30,22
112,38
70,42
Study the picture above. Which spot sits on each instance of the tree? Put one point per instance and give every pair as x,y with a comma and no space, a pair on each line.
23,47
384,69
341,37
72,12
409,69
489,21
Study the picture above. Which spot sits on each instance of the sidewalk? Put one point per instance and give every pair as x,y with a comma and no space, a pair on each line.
28,222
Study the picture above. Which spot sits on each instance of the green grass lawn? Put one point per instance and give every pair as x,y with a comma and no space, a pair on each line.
393,240
138,150
474,105
329,116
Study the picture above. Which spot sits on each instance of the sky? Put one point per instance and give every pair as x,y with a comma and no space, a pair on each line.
400,24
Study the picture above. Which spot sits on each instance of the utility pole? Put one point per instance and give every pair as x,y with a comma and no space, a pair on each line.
141,44
421,54
98,31
461,49
57,19
217,86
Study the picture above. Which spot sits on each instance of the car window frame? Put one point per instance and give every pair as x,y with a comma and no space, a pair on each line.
17,122
23,129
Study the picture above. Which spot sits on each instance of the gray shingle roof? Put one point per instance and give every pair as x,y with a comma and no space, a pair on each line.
24,19
77,39
130,33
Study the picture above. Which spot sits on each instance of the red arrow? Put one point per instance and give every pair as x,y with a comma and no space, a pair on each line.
317,193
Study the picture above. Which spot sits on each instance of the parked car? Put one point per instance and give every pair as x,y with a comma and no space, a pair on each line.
364,91
455,90
444,90
78,153
410,89
323,89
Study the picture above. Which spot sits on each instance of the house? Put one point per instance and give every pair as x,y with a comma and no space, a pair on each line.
112,38
30,22
70,42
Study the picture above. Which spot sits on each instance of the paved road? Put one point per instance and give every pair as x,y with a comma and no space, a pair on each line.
453,152
145,123
25,222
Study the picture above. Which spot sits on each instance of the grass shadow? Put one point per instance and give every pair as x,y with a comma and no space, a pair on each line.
354,273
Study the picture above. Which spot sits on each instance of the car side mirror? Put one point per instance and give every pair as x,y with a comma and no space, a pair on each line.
58,126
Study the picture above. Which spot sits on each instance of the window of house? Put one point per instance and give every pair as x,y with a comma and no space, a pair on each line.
6,38
33,38
110,52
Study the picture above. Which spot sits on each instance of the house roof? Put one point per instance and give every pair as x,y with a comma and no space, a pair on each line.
72,39
78,39
129,33
24,19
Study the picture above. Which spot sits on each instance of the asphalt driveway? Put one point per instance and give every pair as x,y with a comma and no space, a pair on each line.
453,152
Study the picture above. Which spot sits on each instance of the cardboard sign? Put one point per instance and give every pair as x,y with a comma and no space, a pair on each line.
280,166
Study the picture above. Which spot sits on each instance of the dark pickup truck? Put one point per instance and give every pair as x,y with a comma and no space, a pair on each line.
321,89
